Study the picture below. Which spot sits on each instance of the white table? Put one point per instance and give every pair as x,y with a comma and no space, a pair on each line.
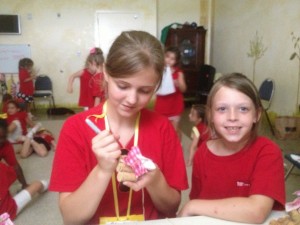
199,220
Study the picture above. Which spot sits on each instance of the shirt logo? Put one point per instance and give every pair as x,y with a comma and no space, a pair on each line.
242,184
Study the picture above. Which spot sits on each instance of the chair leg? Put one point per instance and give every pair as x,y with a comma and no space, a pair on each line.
53,103
33,105
288,172
271,126
50,103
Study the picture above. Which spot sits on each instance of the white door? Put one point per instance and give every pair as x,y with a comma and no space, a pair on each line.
110,24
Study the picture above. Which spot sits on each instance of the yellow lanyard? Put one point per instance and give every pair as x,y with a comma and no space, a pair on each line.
114,183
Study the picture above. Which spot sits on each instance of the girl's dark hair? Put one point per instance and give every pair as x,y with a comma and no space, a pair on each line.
175,51
6,97
25,63
3,124
14,103
200,110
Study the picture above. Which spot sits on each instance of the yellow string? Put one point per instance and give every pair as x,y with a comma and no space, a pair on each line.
115,195
101,116
135,142
129,203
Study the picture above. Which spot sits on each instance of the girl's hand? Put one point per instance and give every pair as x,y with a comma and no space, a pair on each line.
187,209
189,162
106,150
176,83
70,90
144,180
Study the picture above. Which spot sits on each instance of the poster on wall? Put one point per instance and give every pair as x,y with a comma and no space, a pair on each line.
10,56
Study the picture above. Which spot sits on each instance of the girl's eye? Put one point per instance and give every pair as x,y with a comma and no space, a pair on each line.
145,91
221,109
244,109
122,86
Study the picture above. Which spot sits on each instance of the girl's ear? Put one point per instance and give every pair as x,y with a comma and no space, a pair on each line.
105,74
258,115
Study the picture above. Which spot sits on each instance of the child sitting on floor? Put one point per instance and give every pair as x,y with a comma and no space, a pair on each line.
41,143
10,170
18,121
14,204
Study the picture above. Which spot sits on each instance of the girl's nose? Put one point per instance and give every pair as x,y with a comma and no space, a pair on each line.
132,97
232,115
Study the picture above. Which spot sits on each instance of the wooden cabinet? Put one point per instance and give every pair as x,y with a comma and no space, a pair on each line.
191,42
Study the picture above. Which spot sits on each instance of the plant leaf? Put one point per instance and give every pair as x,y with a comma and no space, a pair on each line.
293,56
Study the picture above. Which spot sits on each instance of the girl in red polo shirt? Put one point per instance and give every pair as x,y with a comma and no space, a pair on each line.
172,105
26,80
237,175
85,163
9,172
92,86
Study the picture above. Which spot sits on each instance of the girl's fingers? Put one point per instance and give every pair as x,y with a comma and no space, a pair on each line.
106,150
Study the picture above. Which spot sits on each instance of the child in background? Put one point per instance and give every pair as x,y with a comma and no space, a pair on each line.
7,154
41,143
10,169
14,204
18,121
237,176
5,99
85,162
92,87
172,105
199,131
26,79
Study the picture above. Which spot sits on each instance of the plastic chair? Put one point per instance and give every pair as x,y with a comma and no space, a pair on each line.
292,158
266,91
206,81
43,90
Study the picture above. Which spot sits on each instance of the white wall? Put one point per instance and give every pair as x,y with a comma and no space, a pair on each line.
62,32
234,26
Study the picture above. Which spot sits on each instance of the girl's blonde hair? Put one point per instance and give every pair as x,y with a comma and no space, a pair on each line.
95,56
133,51
242,84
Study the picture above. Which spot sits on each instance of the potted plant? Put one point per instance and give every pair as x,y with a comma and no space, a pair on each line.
257,50
296,54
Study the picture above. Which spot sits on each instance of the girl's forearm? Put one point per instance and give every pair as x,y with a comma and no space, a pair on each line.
165,198
79,206
238,209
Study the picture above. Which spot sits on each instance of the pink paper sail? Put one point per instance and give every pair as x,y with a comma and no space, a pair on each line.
5,219
290,206
139,164
133,160
297,193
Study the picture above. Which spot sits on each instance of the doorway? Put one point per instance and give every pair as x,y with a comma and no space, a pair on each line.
110,24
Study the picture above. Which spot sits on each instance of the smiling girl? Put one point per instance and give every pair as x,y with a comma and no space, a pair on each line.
237,176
